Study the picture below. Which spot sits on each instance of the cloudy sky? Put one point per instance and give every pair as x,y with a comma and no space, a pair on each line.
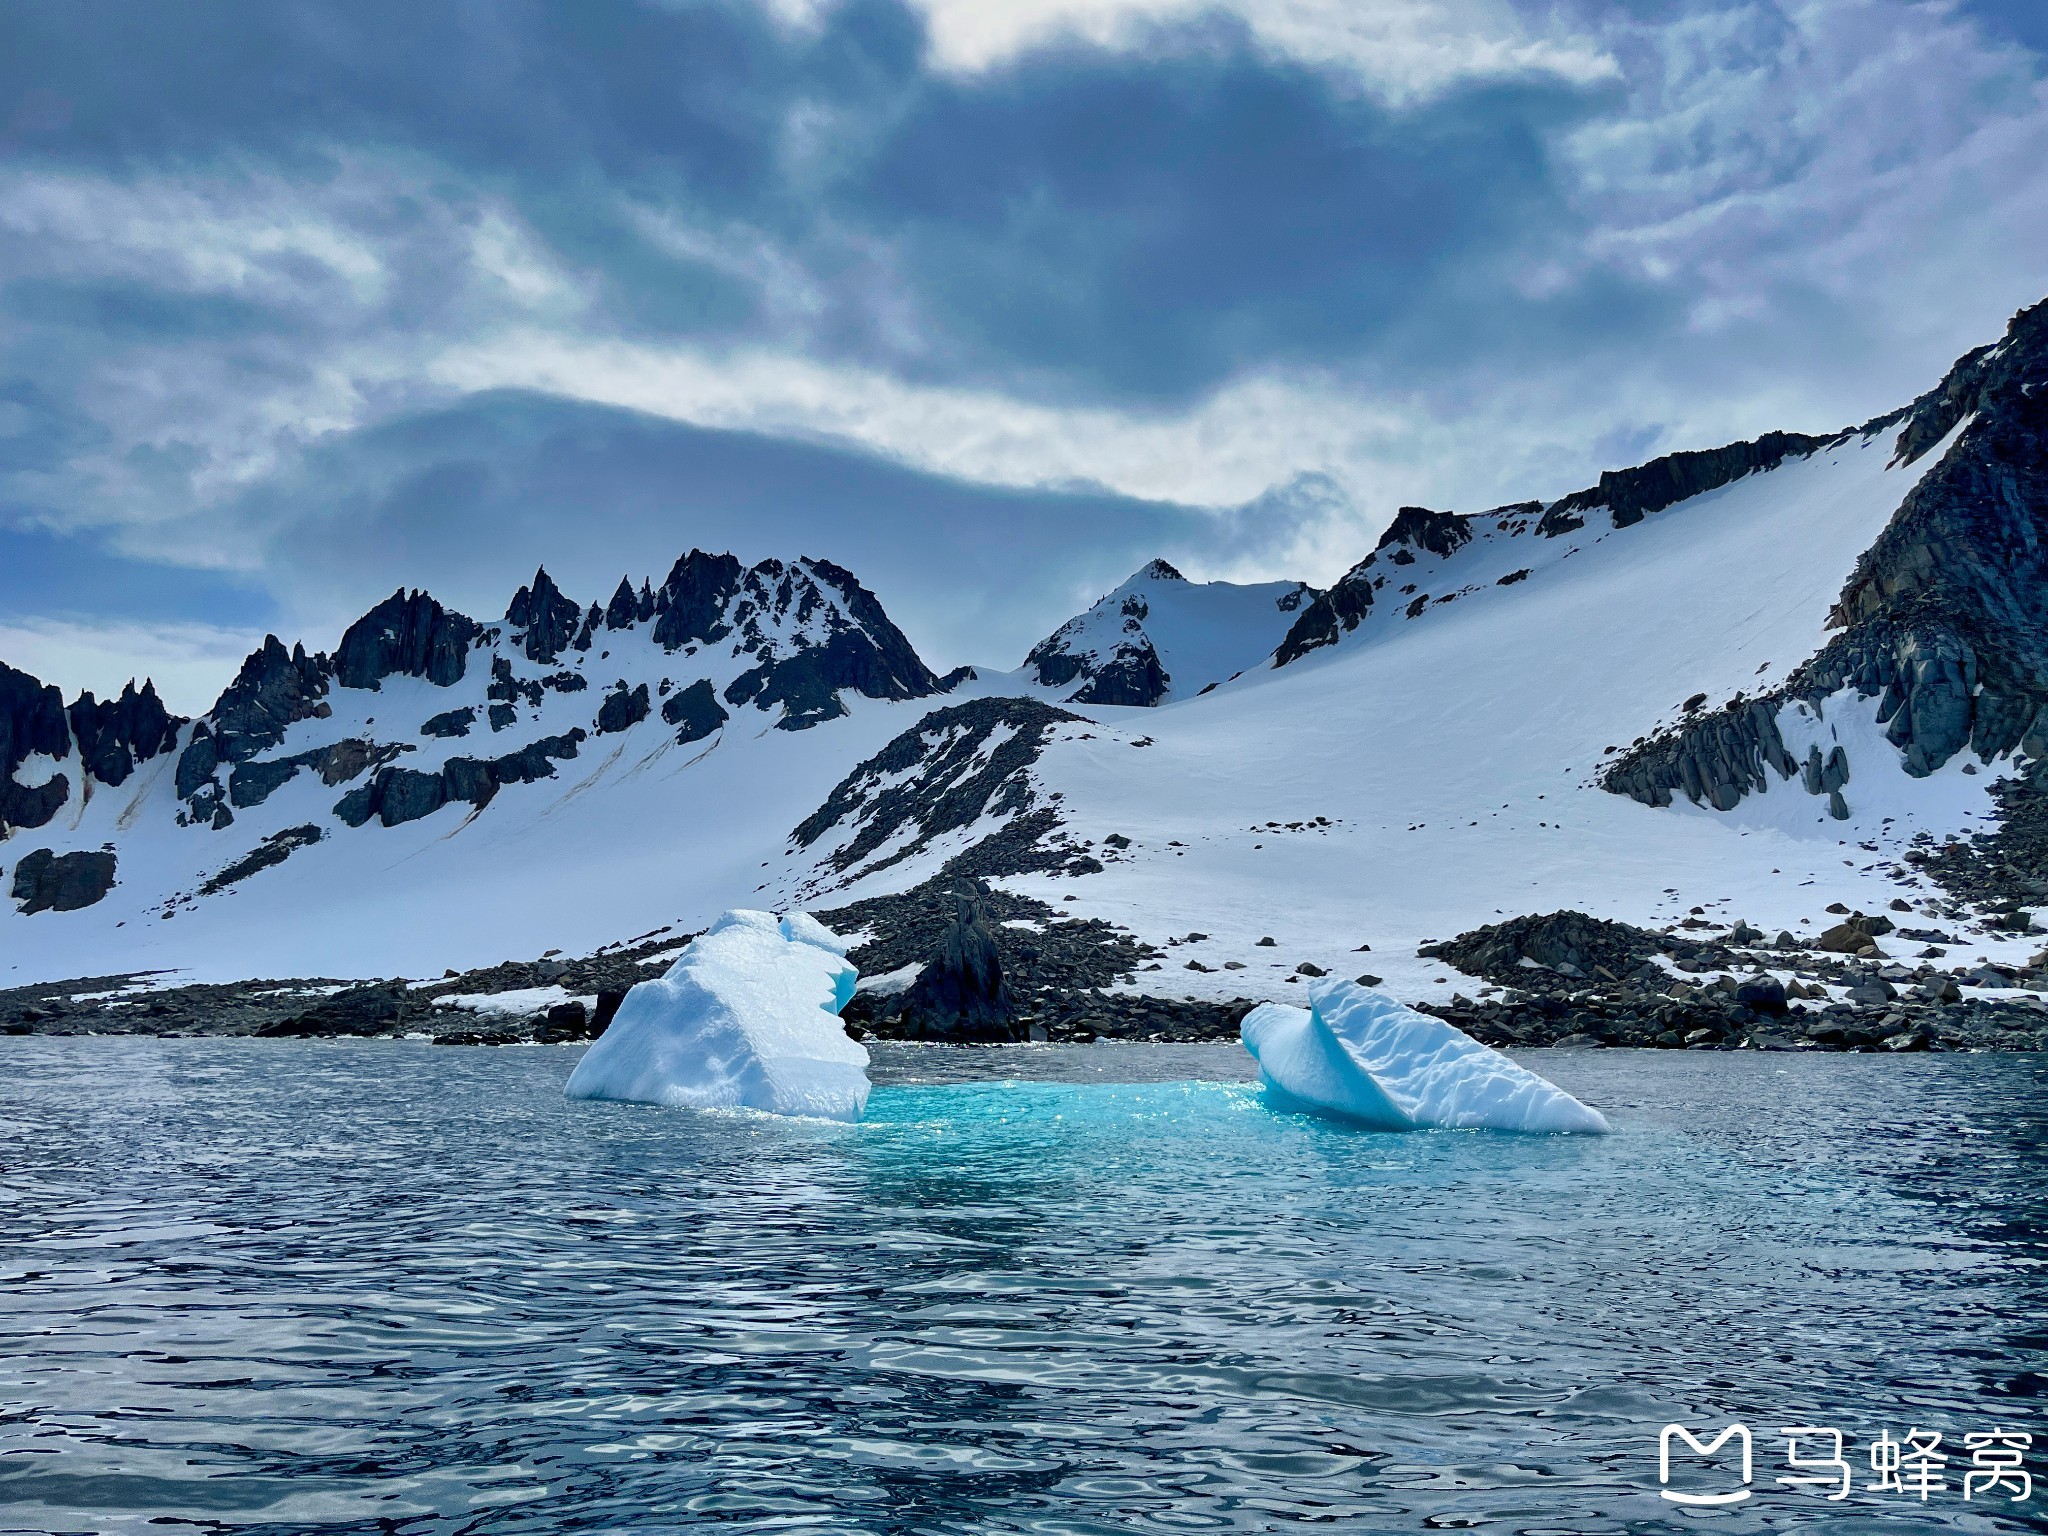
990,302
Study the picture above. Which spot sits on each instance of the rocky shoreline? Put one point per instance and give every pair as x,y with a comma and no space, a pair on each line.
1020,970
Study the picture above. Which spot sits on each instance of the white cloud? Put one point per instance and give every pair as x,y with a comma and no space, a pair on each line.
1399,48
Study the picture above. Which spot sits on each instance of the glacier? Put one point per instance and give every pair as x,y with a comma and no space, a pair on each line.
1359,1056
746,1018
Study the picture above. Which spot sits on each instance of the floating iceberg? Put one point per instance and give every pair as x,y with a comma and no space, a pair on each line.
747,1017
1360,1056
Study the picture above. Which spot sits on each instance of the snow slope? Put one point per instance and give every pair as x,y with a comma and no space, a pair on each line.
1160,636
1432,773
1423,764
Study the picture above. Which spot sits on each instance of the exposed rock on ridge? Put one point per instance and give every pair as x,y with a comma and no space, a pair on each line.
1945,618
410,634
953,768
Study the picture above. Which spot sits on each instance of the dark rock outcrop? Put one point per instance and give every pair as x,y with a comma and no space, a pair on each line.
545,619
937,777
272,851
252,783
450,722
412,635
1630,495
113,737
1332,615
622,709
1329,616
62,882
398,795
1716,760
1132,676
380,1008
694,711
1570,943
1944,620
960,996
1441,534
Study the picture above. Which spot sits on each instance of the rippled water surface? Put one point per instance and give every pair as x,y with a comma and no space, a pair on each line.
276,1287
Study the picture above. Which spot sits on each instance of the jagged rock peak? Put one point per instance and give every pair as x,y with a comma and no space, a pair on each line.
31,724
1439,533
116,735
547,617
31,719
273,688
1159,570
622,612
690,607
409,634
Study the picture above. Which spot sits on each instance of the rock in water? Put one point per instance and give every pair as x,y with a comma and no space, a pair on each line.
1359,1056
960,995
747,1018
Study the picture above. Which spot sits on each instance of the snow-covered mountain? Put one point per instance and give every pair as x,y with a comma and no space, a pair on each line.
1744,681
1160,636
397,796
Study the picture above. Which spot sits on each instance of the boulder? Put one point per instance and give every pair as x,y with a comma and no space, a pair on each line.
1762,994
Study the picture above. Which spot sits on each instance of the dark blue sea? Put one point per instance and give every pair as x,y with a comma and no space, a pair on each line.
270,1287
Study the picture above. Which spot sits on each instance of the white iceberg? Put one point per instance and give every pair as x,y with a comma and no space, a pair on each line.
746,1018
1359,1056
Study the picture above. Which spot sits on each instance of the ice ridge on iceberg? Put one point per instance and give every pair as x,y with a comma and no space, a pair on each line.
746,1018
1360,1056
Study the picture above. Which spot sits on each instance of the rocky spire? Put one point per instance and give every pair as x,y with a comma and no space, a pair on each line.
961,995
408,634
548,618
692,602
620,611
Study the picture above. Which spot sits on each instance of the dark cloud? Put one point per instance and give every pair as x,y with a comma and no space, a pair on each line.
1149,228
1079,220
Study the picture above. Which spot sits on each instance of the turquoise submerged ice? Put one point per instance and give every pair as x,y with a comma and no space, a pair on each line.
747,1018
1360,1056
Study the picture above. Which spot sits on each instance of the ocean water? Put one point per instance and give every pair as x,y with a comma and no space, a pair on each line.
274,1287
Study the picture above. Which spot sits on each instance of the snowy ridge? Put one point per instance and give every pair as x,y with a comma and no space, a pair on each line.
432,751
1161,637
1741,680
